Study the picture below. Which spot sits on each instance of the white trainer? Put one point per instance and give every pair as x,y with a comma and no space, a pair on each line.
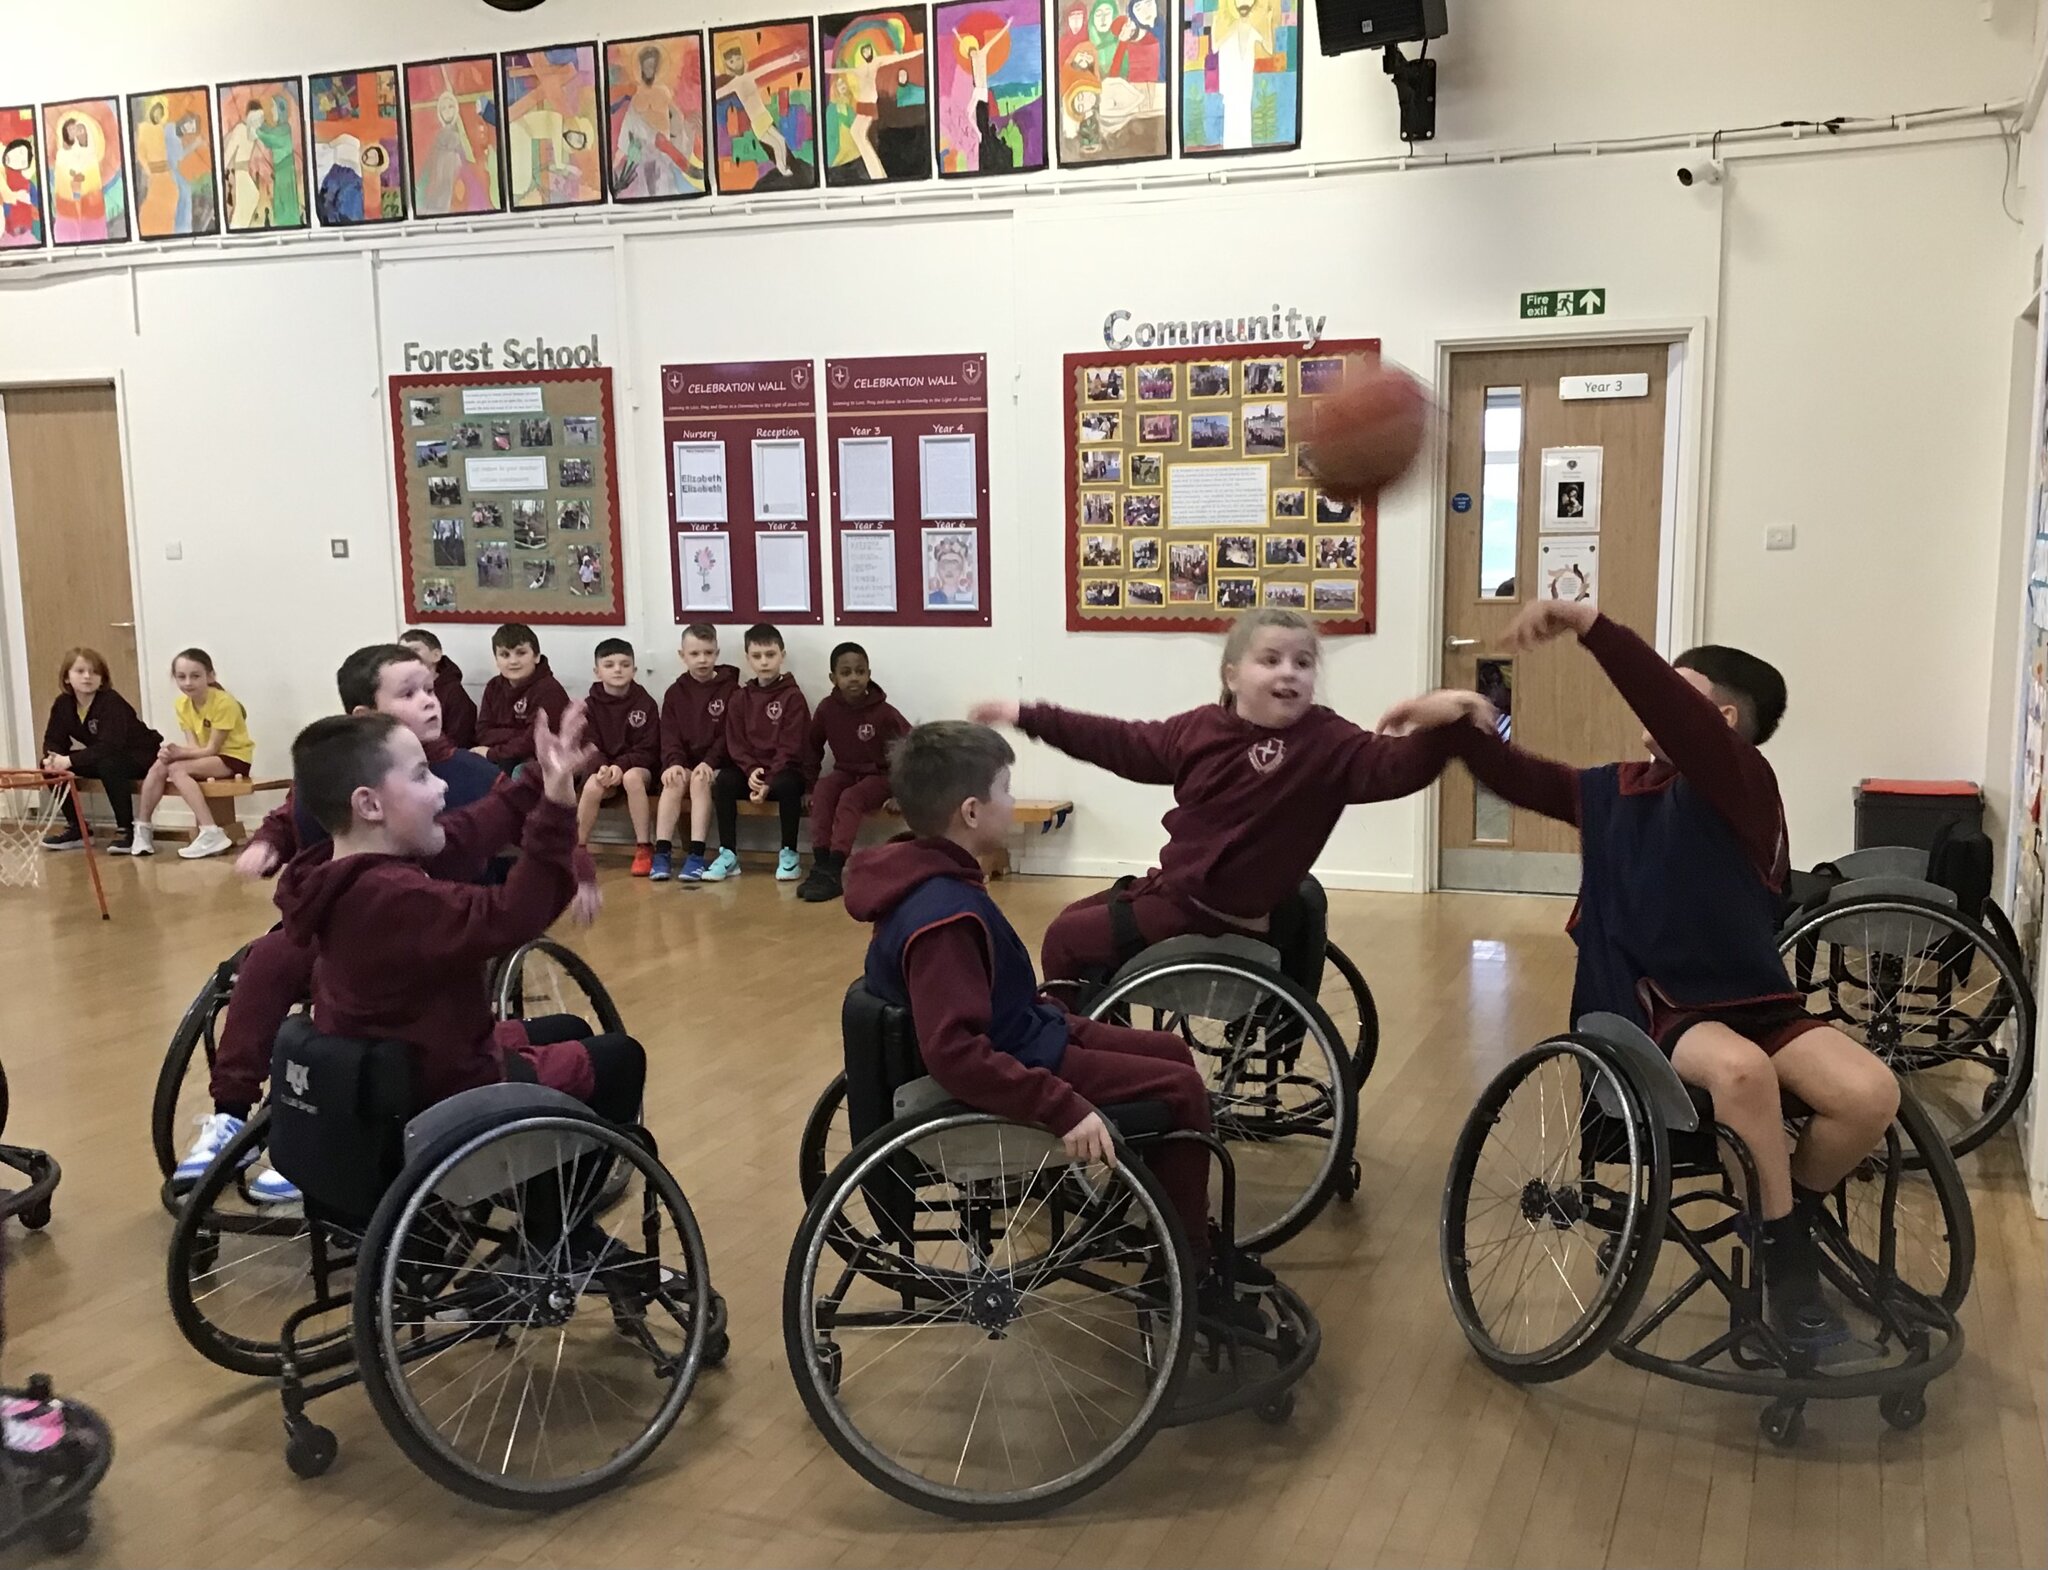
272,1187
215,1130
212,841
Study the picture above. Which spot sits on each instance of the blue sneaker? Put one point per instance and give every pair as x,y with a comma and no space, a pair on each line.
215,1130
724,865
657,869
786,868
693,870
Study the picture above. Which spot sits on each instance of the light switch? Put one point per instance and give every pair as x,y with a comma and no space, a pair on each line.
174,550
1780,537
338,549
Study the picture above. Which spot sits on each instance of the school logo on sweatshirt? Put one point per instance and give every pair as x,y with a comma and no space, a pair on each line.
92,727
636,719
1266,755
519,708
866,731
775,710
715,708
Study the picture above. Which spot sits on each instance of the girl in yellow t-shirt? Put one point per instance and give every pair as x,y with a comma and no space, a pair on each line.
217,747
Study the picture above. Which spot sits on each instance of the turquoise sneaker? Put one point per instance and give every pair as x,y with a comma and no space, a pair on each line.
786,868
724,865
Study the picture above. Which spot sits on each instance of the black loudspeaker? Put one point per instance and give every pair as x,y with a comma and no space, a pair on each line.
1345,25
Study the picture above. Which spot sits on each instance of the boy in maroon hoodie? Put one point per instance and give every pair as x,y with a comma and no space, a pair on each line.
524,689
944,950
692,748
765,727
458,708
626,740
860,725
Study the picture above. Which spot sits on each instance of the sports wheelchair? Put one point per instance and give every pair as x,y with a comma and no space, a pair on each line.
1051,1306
443,1261
1936,989
54,1455
541,977
1586,1154
30,1203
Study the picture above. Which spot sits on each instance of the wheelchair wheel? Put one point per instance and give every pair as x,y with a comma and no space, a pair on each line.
1930,1238
826,1141
1279,1075
1349,1003
545,977
182,1094
519,1361
1554,1211
1018,1347
1935,995
237,1268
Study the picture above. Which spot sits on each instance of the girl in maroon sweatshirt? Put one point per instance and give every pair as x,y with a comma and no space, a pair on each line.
860,725
458,708
524,688
94,733
1259,780
626,738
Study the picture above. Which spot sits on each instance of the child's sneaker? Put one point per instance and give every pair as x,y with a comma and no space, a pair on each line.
212,841
272,1187
143,842
64,839
124,845
657,867
787,869
692,870
643,861
724,865
215,1130
822,886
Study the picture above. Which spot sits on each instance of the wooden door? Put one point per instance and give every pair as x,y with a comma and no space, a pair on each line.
71,534
1505,409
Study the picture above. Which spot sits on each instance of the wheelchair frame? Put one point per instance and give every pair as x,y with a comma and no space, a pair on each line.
58,1512
31,1203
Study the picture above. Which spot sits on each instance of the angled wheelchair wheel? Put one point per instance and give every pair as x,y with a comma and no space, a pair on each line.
1906,1212
545,977
1280,1088
517,1354
182,1095
1939,997
237,1269
827,1138
1554,1211
1348,1002
1017,1345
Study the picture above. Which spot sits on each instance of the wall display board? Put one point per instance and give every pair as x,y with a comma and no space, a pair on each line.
740,442
909,443
1187,498
508,496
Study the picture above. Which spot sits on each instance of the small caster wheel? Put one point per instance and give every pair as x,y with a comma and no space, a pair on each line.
1782,1423
1278,1410
205,1255
829,1365
1604,1255
37,1216
1993,1094
66,1532
1350,1181
1903,1409
309,1449
718,1345
39,1387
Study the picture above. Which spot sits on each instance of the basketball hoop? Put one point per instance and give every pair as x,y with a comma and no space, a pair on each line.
31,802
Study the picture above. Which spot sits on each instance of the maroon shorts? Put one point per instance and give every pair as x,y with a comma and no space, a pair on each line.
238,768
1771,1025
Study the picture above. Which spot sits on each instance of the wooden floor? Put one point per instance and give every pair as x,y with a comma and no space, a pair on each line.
1403,1451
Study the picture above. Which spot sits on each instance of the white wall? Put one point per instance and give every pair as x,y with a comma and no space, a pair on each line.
1858,305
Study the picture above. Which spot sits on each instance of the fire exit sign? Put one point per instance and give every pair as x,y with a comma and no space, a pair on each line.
1564,302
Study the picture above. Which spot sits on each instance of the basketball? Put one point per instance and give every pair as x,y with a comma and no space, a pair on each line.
1367,433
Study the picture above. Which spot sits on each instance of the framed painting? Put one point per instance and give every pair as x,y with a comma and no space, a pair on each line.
263,155
21,180
654,98
554,129
88,175
764,108
453,114
358,154
988,69
1109,61
1240,76
878,115
177,188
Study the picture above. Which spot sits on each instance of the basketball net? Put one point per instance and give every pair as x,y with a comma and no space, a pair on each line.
29,806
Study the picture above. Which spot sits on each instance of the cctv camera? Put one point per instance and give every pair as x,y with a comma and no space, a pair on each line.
1709,173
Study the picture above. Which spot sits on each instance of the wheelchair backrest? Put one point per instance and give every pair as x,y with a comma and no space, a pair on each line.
880,1044
338,1107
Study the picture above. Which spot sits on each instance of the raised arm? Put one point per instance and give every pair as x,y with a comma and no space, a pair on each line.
1144,751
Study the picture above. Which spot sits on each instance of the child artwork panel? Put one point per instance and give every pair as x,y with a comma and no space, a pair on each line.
21,180
654,90
88,172
177,191
877,106
1109,61
358,156
1240,76
764,108
988,58
554,128
263,155
453,116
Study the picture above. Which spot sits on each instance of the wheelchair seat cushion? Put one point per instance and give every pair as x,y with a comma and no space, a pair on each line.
338,1111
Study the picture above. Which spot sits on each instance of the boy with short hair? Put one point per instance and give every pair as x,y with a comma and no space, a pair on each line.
524,689
626,740
765,727
944,950
1684,858
458,708
857,721
692,748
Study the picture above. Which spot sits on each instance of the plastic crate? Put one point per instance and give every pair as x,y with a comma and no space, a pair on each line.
1912,812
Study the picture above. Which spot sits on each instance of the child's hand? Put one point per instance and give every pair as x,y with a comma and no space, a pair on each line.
701,774
258,861
1543,620
610,777
1434,709
757,785
561,754
54,764
167,753
1000,711
672,776
586,903
1089,1140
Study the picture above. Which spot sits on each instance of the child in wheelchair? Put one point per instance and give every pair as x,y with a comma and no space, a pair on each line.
944,950
1684,859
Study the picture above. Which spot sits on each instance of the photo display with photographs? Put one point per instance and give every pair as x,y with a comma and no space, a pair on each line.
508,494
1189,499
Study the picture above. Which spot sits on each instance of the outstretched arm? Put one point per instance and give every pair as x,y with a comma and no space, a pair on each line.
1144,751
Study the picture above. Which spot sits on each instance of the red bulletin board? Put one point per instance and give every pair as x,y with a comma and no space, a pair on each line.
921,420
1134,441
736,407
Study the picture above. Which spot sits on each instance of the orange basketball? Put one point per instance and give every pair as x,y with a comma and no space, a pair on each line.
1367,433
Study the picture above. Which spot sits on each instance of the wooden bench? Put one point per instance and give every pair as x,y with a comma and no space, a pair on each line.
221,798
1045,816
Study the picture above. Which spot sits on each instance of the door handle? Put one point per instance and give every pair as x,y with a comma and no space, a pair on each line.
1461,643
120,624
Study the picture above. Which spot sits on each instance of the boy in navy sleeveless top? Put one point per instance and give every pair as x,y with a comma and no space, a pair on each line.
1684,858
942,949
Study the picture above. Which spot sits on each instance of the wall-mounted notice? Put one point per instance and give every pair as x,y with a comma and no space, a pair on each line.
1568,568
909,438
743,489
1571,489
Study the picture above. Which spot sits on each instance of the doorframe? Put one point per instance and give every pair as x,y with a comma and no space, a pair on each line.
1681,575
20,708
